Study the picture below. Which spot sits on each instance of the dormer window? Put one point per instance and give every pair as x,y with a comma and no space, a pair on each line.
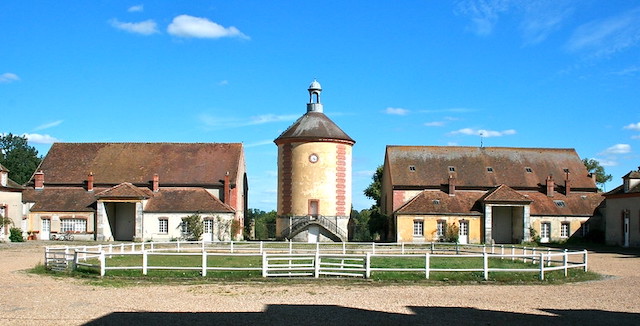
528,170
565,170
436,201
412,168
489,169
452,169
559,203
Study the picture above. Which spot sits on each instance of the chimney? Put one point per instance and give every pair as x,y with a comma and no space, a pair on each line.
39,180
90,182
452,185
594,177
550,186
567,185
156,182
4,177
227,188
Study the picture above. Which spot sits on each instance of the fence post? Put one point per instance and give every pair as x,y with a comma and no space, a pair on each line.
457,249
144,262
152,248
75,260
122,247
204,262
344,248
367,265
524,252
564,262
46,256
178,245
432,247
485,267
584,260
548,256
493,248
290,246
373,247
264,263
513,252
541,266
141,246
427,263
501,251
318,246
260,246
103,262
533,256
316,273
402,247
231,246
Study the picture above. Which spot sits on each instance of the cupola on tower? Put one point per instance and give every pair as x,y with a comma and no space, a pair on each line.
314,177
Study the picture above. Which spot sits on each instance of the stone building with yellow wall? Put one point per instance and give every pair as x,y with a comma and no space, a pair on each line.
491,194
314,177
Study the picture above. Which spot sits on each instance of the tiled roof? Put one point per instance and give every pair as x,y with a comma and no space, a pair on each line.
125,190
484,167
504,193
185,200
313,126
115,163
11,185
576,204
438,202
60,199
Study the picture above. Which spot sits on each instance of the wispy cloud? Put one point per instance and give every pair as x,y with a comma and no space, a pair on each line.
607,36
9,77
146,27
606,162
396,111
259,143
223,83
225,122
434,124
138,8
484,14
197,27
635,137
617,149
483,132
48,125
628,71
542,18
40,139
450,110
633,126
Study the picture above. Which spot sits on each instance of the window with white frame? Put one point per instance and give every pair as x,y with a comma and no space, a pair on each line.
418,228
564,230
184,228
545,230
163,225
73,225
441,227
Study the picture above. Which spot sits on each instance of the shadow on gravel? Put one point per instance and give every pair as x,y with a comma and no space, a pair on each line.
336,315
598,248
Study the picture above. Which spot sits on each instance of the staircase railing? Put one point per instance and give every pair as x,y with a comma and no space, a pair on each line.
302,222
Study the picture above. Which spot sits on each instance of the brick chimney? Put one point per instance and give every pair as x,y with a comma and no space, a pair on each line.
594,177
452,185
567,185
156,183
550,186
39,180
227,190
4,177
90,182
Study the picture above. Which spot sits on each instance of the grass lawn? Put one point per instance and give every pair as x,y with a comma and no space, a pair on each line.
193,268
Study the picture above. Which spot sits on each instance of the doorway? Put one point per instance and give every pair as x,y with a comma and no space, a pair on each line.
545,232
625,229
122,219
45,230
463,235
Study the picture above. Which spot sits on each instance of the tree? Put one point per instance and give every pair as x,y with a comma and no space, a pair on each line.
374,190
16,155
593,166
195,227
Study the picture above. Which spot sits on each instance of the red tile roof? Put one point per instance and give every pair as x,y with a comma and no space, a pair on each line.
125,190
505,194
437,202
115,163
186,200
510,166
60,199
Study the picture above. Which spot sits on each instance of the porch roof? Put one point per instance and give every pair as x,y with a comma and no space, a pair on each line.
504,193
438,202
125,190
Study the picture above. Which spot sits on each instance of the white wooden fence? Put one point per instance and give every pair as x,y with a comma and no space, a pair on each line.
312,260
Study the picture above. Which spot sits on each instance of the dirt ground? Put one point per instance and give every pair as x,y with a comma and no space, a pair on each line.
28,299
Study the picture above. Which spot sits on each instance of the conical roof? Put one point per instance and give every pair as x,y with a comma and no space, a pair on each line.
314,126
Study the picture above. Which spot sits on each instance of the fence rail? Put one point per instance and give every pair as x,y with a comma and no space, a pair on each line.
289,259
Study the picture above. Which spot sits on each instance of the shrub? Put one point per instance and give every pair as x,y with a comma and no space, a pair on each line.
16,235
194,227
452,233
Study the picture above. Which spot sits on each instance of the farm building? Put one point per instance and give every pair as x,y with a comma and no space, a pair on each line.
623,212
490,194
10,204
137,191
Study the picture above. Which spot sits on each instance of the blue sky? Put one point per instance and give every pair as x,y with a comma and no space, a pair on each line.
555,73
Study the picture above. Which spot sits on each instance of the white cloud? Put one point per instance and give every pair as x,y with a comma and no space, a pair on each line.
138,8
434,124
484,14
364,173
617,149
218,122
635,137
483,132
8,77
451,110
542,18
189,26
629,71
40,139
223,83
396,111
146,27
607,36
259,143
633,126
48,125
605,162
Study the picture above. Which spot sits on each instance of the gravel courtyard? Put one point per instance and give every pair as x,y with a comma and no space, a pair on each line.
28,299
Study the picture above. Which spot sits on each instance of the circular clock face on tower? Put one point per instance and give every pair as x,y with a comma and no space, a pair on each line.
313,158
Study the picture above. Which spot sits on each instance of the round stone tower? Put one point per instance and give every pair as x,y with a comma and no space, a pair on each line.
314,177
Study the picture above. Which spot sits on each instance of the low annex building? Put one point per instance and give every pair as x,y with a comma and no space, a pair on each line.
491,194
138,191
623,212
10,204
